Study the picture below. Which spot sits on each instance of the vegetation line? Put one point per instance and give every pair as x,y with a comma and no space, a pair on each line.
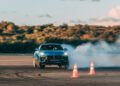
24,39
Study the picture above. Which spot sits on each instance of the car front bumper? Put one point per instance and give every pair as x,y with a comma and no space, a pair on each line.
55,60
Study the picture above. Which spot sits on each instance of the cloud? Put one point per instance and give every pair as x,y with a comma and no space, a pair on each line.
8,12
95,0
45,16
113,18
115,12
77,21
83,0
108,21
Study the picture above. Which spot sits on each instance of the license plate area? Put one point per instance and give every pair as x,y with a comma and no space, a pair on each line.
54,58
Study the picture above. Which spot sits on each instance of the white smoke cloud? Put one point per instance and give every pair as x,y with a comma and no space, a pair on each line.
102,54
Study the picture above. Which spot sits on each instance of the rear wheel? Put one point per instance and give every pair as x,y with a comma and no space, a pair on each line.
66,66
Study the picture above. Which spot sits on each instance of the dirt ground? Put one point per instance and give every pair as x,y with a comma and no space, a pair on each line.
17,70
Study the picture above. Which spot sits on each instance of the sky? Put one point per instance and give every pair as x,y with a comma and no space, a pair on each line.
37,12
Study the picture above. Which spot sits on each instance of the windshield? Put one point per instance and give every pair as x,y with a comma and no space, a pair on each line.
51,47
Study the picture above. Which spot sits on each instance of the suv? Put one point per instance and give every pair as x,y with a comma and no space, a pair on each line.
50,54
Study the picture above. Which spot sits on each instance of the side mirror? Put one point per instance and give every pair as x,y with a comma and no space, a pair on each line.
36,49
65,49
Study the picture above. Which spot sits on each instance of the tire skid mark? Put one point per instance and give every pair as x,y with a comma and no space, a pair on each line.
8,75
28,75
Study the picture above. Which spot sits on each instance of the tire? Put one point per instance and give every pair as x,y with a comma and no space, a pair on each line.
60,66
41,66
66,66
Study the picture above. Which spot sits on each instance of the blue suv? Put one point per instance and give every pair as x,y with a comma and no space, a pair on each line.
50,54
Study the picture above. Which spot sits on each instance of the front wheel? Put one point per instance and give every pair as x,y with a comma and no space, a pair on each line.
59,65
42,66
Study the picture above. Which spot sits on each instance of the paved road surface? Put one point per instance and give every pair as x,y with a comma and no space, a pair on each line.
17,70
16,60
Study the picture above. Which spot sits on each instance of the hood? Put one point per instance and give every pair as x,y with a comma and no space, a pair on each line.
53,52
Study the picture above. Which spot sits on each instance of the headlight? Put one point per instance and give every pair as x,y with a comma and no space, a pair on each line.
65,54
42,54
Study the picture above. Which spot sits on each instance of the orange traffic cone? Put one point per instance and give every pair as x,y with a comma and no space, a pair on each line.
75,72
92,70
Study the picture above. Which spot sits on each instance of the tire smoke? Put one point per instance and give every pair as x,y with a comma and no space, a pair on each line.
101,53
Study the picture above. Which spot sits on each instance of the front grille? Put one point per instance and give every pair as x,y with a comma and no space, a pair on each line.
56,60
55,57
